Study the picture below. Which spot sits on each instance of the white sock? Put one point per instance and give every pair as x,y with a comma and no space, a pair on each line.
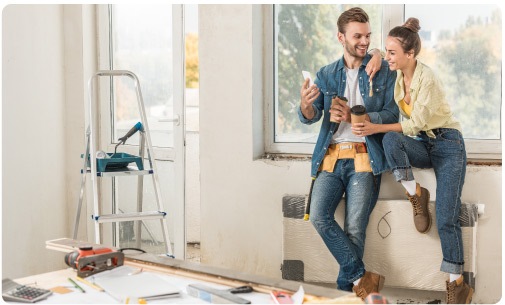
410,186
453,277
356,282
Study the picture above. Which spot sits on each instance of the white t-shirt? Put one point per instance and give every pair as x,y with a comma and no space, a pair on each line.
353,95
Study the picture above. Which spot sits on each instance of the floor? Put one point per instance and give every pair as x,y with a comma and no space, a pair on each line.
412,296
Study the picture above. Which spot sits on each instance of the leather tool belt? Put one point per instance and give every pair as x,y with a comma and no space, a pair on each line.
346,150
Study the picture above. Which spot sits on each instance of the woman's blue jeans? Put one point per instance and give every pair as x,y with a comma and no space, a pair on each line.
361,192
446,154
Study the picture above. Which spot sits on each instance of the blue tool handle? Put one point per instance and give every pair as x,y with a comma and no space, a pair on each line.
131,132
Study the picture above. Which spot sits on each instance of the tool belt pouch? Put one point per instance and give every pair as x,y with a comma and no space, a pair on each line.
362,163
328,163
330,159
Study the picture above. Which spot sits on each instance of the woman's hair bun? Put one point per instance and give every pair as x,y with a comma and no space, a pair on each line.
412,24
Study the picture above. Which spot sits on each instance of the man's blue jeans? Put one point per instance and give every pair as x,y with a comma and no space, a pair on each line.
361,192
446,154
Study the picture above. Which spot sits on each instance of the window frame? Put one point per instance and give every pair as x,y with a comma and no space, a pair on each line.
392,15
104,116
105,111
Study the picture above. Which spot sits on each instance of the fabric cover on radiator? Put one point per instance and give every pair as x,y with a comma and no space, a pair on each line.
393,247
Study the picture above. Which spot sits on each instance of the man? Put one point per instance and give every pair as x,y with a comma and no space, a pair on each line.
343,163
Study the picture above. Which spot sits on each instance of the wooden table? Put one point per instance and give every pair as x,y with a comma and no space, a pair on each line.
180,273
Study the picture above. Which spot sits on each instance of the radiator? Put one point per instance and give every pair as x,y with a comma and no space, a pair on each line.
393,247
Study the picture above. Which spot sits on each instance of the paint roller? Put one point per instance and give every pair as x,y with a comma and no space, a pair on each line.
130,133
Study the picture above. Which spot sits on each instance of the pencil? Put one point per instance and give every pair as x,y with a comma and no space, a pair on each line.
80,279
77,286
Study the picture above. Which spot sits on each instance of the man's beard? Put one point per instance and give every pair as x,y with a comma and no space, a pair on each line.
351,49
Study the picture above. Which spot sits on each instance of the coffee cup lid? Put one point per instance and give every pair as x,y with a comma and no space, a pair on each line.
358,109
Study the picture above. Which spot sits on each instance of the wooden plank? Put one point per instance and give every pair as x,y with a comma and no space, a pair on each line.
166,265
229,277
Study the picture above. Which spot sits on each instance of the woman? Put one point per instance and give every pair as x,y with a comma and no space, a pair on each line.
438,144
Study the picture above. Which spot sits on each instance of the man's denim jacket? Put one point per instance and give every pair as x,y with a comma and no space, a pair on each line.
381,108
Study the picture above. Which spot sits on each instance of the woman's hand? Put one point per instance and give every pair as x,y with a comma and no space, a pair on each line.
364,129
374,65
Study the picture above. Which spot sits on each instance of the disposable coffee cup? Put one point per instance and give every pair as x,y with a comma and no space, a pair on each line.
358,114
334,102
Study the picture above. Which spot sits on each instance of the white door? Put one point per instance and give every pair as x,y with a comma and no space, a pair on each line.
148,40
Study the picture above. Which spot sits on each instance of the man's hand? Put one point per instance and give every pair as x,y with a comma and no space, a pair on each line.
374,65
340,111
308,95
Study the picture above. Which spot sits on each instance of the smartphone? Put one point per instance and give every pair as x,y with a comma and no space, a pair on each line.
306,74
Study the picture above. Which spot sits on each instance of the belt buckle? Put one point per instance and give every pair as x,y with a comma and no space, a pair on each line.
346,146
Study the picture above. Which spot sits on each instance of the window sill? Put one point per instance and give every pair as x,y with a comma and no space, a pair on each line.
307,157
285,157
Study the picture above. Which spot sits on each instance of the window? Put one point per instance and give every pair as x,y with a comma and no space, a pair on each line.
306,39
463,48
148,40
136,47
466,55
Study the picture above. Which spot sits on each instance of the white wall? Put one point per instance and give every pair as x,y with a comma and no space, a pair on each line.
33,137
241,197
42,131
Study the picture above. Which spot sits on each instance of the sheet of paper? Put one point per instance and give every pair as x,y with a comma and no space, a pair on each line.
142,285
298,296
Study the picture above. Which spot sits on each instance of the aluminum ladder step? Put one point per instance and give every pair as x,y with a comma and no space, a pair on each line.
129,216
128,171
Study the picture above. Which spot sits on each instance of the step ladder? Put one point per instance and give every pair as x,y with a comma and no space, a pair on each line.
91,162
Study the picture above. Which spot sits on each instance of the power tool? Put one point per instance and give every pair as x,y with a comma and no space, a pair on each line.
88,261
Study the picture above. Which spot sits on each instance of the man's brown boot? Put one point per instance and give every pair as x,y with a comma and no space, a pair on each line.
420,201
458,292
370,282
